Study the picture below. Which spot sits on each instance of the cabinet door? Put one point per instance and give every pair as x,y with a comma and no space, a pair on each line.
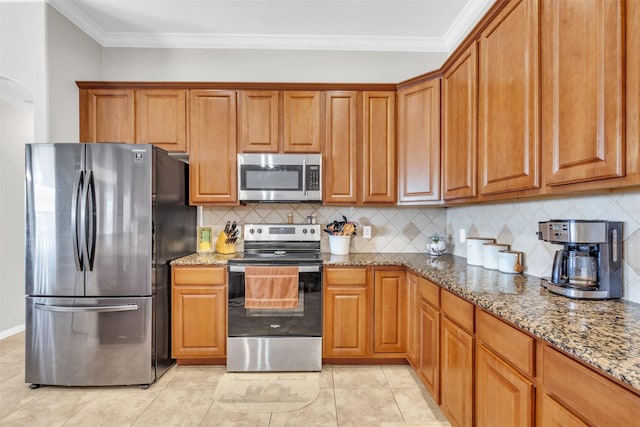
413,319
107,115
346,313
213,147
161,118
456,374
503,396
419,143
632,10
340,148
552,413
583,90
508,137
199,312
429,363
459,126
259,121
390,312
301,121
379,147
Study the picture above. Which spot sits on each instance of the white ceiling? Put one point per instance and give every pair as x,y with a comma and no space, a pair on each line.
351,25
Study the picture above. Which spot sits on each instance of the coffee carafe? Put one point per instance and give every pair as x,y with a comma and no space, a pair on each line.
590,263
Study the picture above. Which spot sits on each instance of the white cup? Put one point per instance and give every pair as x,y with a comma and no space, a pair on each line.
490,254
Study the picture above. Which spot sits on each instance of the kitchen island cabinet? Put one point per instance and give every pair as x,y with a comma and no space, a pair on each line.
199,313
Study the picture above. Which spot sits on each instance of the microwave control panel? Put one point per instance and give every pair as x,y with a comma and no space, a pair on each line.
313,178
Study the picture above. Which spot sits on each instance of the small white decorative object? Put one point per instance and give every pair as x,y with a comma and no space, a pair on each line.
436,245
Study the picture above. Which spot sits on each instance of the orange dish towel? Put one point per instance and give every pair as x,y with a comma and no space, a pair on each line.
270,287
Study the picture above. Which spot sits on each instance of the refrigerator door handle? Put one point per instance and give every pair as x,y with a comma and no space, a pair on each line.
86,308
76,236
90,220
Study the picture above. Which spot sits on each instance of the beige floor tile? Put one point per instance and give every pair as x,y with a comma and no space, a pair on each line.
326,377
358,377
366,407
12,398
400,376
118,406
218,417
11,352
413,406
195,377
320,413
53,407
177,407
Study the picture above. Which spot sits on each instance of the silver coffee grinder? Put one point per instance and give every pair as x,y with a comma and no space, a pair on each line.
590,264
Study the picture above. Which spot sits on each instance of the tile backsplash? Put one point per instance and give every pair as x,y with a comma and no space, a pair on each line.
397,229
516,223
407,229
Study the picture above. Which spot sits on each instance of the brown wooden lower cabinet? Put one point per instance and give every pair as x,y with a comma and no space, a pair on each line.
429,355
390,311
503,396
346,312
456,374
199,312
413,319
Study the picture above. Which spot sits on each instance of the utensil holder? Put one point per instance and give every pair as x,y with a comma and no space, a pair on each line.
339,245
222,247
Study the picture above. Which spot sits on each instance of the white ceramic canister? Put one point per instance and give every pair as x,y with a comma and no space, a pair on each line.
474,249
490,254
507,261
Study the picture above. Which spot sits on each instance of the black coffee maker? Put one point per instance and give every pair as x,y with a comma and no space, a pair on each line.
590,264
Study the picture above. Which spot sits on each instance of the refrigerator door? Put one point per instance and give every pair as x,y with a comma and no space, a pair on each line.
89,341
119,220
53,182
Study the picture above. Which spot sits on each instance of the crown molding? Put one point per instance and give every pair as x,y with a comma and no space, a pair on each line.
469,16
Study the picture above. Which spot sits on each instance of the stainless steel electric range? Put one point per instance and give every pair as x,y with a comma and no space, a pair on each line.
275,300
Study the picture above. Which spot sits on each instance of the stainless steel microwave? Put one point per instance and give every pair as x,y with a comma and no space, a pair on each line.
280,177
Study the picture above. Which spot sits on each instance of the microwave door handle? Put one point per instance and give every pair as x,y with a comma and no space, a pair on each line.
304,178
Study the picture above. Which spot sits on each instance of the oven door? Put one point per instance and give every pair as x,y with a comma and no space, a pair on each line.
301,319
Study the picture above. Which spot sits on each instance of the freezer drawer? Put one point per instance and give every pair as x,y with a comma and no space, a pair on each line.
89,341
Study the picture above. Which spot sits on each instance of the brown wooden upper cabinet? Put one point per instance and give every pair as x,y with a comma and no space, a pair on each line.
212,129
161,118
459,126
341,148
379,147
508,137
107,115
279,121
582,63
419,143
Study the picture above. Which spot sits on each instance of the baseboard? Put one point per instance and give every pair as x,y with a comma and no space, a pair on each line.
12,331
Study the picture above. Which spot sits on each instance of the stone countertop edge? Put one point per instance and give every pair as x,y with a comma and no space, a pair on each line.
604,334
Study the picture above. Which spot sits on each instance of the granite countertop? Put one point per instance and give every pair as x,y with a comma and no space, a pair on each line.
603,334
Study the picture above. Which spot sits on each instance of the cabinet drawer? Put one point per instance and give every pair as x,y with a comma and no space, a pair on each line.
596,398
346,276
429,292
199,276
512,345
457,310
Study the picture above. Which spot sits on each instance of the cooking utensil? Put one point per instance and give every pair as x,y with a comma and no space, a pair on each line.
517,267
227,227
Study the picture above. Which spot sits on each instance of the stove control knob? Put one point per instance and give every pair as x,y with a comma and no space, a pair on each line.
312,231
304,231
251,231
259,230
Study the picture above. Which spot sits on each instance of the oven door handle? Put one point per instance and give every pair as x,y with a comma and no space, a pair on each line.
301,268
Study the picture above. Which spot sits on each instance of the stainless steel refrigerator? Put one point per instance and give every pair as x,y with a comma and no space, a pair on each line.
102,223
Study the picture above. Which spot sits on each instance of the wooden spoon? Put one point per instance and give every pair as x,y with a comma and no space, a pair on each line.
517,267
